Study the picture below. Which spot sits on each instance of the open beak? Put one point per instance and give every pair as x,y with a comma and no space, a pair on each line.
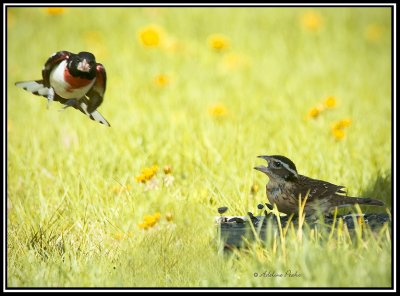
83,66
262,168
266,157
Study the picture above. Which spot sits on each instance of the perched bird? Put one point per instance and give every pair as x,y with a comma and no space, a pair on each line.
74,80
286,185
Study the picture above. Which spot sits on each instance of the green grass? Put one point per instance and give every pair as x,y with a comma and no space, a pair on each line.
67,226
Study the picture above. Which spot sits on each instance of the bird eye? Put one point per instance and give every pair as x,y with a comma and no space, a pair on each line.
277,164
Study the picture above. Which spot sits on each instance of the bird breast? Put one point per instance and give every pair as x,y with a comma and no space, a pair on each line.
67,86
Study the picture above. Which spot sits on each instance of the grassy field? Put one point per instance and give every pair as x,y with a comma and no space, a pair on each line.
193,96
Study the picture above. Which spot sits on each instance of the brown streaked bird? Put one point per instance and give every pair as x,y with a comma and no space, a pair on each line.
286,185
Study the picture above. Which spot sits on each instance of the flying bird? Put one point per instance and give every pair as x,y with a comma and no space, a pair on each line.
74,80
285,186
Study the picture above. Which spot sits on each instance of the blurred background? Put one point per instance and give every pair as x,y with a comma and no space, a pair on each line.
193,96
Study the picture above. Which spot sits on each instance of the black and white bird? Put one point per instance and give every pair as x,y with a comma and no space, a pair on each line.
74,80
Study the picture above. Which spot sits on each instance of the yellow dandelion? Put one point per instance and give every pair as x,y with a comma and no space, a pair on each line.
341,124
151,36
315,112
311,21
330,102
169,217
161,80
140,179
143,225
373,32
54,10
150,220
254,188
147,174
218,110
218,42
338,134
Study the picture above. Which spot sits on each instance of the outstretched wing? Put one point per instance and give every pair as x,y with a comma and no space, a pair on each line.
38,88
96,93
35,86
82,105
52,61
87,107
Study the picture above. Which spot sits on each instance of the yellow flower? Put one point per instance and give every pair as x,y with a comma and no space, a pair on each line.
55,10
218,110
218,42
143,225
338,128
341,124
169,217
311,21
147,174
151,36
330,102
315,111
373,32
254,188
149,221
161,80
338,134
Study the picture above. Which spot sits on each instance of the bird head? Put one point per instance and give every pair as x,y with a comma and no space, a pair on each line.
279,168
82,65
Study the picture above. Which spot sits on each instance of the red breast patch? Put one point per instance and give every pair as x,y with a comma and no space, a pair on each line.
75,82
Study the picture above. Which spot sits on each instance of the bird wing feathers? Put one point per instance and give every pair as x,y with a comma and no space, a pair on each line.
52,61
317,189
86,106
96,93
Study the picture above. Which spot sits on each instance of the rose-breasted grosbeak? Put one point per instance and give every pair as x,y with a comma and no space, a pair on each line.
286,185
75,80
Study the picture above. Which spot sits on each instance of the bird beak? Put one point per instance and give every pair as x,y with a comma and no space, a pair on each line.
84,66
266,157
262,169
